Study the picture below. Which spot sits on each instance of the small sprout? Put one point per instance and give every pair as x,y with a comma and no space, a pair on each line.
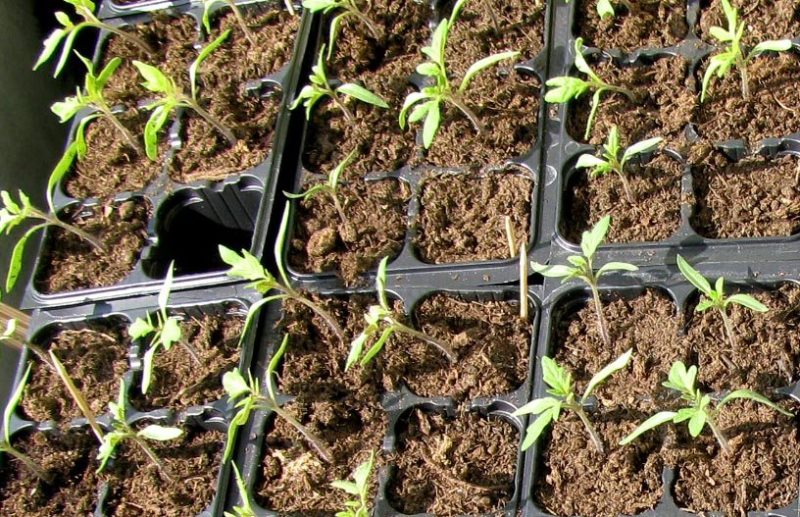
13,214
246,510
562,391
236,386
427,102
382,314
715,299
566,88
92,98
208,5
583,269
248,267
122,432
358,487
172,97
609,160
330,187
164,332
347,8
733,55
698,414
5,443
319,87
69,31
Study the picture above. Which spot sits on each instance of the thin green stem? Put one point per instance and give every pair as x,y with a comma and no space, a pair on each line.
153,457
723,442
741,64
29,463
626,186
338,206
211,119
237,13
322,313
473,118
121,128
445,349
55,221
601,320
618,89
598,443
376,32
136,40
318,444
336,100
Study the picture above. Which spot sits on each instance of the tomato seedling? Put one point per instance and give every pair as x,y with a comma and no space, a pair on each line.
329,187
345,9
208,6
359,487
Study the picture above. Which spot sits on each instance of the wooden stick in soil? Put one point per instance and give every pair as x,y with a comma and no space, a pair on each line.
77,396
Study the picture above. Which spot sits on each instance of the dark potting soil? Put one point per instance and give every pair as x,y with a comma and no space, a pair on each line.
764,19
771,110
664,106
70,263
68,460
653,24
138,489
323,242
178,380
455,466
96,357
767,351
755,197
655,214
111,165
462,216
490,340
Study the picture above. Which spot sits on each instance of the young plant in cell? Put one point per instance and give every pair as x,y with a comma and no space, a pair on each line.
359,487
715,298
69,31
609,160
330,187
208,6
246,510
699,412
565,88
382,322
562,396
427,103
252,399
248,267
733,55
346,9
91,98
319,87
582,268
170,97
161,333
13,214
122,432
5,442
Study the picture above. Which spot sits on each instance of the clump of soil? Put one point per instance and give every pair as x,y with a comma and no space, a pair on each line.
754,197
455,466
178,380
575,479
651,24
68,460
462,217
138,488
770,111
111,165
96,357
655,214
647,323
764,19
69,263
491,342
767,352
664,106
323,242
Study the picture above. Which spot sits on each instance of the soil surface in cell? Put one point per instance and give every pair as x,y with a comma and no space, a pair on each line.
651,25
67,460
455,466
251,115
95,356
764,19
462,217
491,343
342,409
771,110
767,351
750,198
69,262
653,215
664,103
178,379
374,227
138,488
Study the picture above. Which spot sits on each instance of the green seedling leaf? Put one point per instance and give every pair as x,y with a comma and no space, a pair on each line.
13,402
204,53
745,300
752,395
611,368
160,433
605,9
694,276
359,92
651,423
482,64
234,384
556,377
592,239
